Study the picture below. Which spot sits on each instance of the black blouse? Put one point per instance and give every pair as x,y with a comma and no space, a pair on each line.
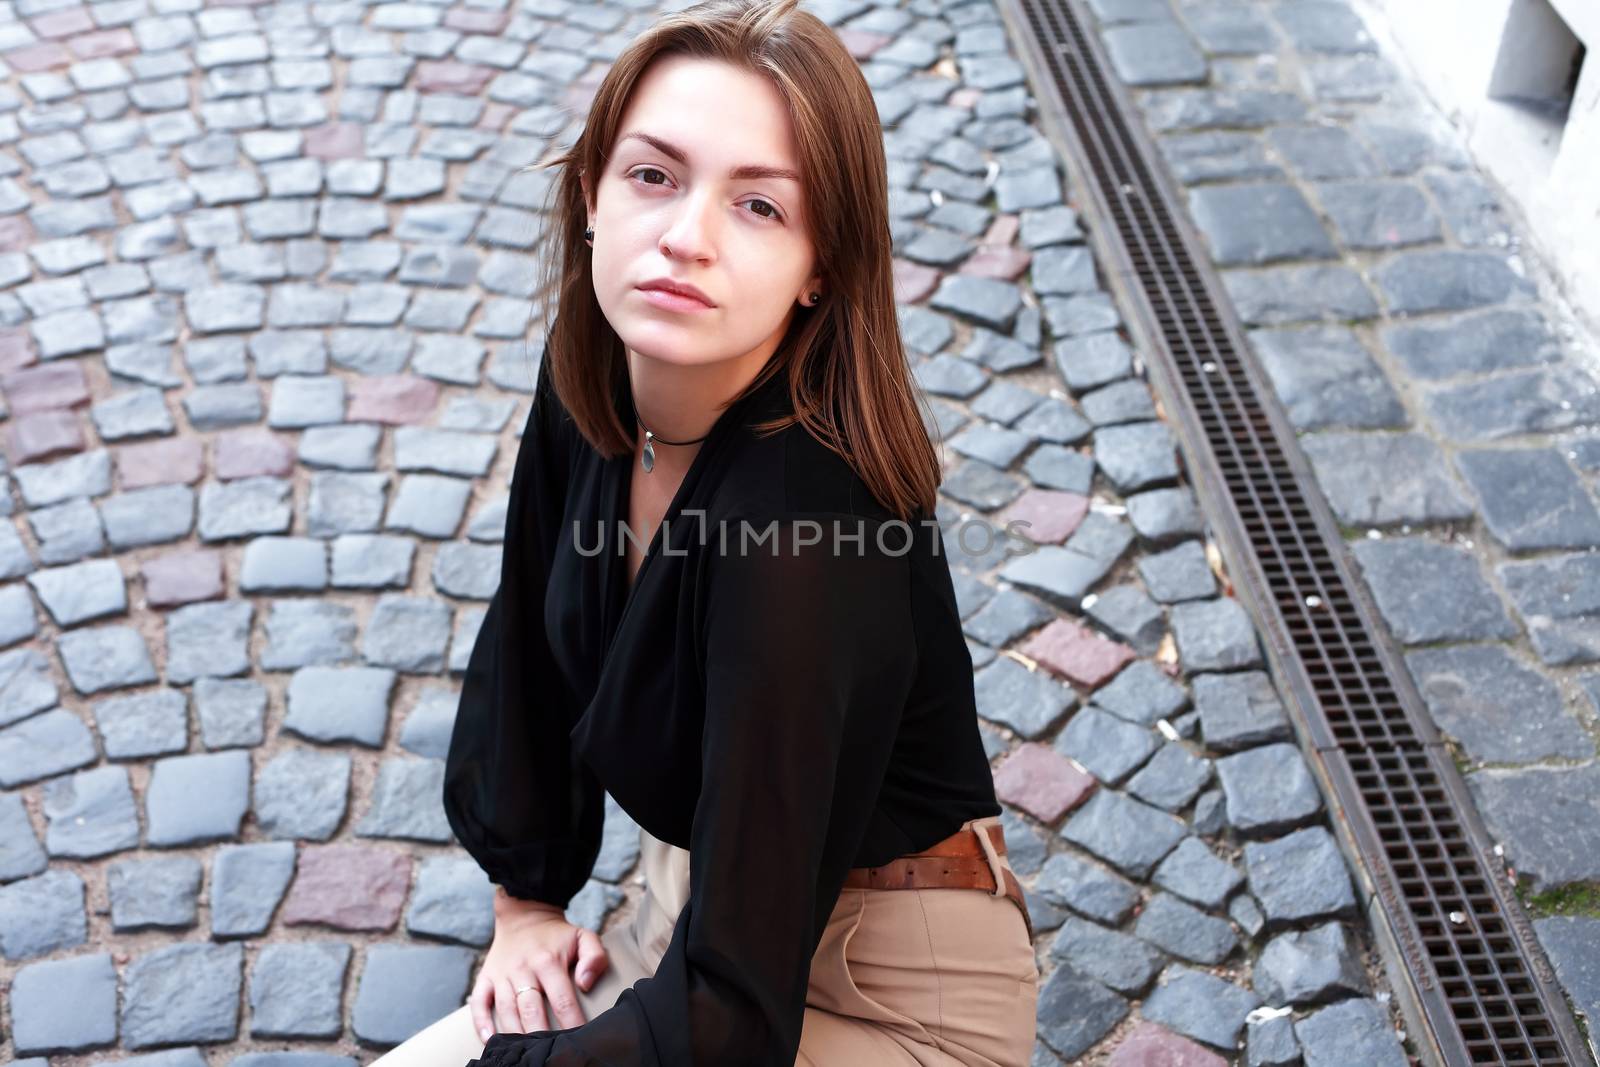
785,713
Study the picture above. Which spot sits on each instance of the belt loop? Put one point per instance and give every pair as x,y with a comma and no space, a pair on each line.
981,828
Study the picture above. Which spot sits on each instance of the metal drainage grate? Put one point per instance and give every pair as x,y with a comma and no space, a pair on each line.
1472,977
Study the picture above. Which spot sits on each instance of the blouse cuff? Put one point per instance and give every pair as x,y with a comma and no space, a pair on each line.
542,871
508,1050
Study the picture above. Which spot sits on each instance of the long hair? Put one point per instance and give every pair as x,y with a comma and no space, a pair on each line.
848,375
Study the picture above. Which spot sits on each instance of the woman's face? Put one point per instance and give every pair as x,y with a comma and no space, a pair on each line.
701,187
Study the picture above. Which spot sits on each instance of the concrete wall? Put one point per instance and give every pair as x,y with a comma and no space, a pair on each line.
1475,57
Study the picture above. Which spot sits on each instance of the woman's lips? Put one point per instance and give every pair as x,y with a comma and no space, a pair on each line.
670,301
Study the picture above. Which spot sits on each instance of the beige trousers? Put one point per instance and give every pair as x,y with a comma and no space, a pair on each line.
931,977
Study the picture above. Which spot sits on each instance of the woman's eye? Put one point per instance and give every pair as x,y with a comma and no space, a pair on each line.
770,210
774,216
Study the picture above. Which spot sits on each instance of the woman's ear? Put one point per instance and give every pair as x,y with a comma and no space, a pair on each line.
813,285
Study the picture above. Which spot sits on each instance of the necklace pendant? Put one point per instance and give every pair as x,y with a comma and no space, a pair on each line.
648,460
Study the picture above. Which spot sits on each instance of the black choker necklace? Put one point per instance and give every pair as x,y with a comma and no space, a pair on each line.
648,459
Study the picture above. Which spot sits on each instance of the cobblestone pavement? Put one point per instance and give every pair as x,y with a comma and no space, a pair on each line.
266,289
1444,394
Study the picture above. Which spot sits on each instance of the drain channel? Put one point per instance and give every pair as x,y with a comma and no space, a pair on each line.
1474,983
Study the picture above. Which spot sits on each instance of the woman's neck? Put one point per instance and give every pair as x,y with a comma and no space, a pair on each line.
681,402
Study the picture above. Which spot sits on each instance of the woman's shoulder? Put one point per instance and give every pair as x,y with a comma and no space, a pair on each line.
790,472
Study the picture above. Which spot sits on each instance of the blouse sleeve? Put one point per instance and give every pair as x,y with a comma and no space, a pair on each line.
516,797
809,656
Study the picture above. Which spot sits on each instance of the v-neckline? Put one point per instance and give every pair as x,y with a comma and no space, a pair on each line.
620,472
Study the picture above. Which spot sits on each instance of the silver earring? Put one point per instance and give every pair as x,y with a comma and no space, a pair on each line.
815,297
588,233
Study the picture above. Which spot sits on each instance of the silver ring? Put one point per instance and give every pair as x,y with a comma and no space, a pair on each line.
524,989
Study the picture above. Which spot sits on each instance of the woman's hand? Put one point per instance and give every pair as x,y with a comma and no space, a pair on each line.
535,946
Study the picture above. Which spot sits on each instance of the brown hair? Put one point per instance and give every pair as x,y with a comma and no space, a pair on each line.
848,375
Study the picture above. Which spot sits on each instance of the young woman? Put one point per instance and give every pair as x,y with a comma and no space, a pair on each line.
725,601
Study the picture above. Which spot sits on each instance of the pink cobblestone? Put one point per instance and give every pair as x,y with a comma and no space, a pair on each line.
1051,514
452,76
63,23
172,461
395,399
40,388
476,20
1042,782
577,97
37,57
1149,1045
495,115
103,43
16,232
351,887
39,434
182,577
913,281
335,140
1077,653
996,261
862,43
252,452
1002,231
16,349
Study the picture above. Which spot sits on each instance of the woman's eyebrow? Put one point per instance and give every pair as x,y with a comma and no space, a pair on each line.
744,172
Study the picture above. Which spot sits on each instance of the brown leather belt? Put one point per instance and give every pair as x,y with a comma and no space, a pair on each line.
957,862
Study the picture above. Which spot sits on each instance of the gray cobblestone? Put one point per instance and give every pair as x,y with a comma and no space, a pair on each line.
1075,1011
20,854
283,564
162,891
172,817
144,724
257,505
340,703
453,900
405,802
182,993
147,363
296,990
1184,930
407,633
105,657
405,987
1269,789
64,1006
302,633
148,516
209,640
1122,962
1199,1005
42,915
90,813
247,882
348,447
66,533
372,561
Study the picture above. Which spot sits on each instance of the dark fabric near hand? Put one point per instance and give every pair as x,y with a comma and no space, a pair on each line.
785,713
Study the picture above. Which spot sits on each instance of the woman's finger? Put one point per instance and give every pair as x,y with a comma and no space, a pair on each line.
592,959
557,985
530,1005
480,1002
505,1008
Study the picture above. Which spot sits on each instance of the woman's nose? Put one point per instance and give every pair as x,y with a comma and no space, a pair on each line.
691,232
